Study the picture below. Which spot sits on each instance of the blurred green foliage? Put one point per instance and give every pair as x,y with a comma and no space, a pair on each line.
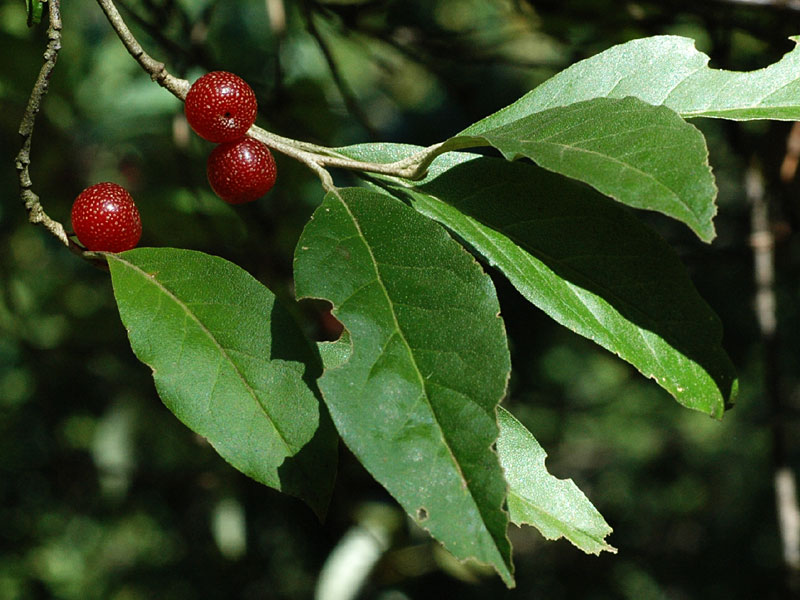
103,494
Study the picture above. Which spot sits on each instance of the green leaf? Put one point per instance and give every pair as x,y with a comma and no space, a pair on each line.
232,365
556,507
585,261
416,399
641,155
666,70
335,354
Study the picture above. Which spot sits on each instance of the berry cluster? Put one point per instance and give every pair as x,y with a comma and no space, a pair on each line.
220,107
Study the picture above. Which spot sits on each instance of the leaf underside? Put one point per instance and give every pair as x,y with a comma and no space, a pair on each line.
665,70
641,155
556,507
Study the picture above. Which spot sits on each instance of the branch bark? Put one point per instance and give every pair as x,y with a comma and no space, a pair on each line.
36,212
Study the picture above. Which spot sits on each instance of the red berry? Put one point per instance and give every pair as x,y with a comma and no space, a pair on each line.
105,219
241,171
220,107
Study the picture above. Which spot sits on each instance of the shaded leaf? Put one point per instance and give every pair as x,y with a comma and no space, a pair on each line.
584,260
641,155
665,70
231,364
556,507
416,399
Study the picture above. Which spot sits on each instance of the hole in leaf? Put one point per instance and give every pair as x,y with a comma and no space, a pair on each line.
422,514
326,327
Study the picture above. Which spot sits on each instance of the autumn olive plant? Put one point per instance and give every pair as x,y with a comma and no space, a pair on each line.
413,387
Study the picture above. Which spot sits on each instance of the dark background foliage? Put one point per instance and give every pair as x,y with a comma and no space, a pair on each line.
104,494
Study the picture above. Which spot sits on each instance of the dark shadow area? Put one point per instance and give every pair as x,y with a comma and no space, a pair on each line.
309,474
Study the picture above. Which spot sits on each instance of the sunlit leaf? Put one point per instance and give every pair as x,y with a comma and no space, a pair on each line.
666,70
556,507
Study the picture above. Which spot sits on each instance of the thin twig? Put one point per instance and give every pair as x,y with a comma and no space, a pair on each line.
33,205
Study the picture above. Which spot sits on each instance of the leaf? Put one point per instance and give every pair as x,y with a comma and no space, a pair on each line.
641,155
556,507
416,399
665,70
585,261
232,365
335,354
